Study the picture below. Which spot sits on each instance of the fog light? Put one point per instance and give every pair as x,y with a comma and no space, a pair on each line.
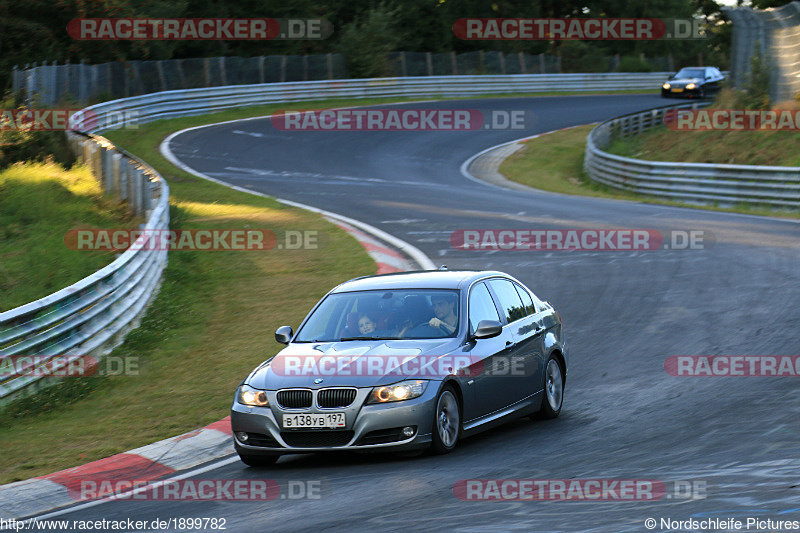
242,436
409,431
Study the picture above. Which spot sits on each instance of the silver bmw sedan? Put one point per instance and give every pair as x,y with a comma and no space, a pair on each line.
405,361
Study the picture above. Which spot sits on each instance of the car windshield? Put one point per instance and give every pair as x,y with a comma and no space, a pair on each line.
691,73
385,314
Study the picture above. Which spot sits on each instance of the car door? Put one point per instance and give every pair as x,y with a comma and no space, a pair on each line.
485,387
529,338
521,325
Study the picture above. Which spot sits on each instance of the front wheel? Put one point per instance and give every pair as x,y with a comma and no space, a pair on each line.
446,422
258,460
553,390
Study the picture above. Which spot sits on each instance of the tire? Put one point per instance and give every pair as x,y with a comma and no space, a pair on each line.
553,397
446,422
259,460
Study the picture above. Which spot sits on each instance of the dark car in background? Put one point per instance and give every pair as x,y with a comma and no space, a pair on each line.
693,82
404,361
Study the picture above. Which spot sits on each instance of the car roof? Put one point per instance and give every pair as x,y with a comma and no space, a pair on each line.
420,279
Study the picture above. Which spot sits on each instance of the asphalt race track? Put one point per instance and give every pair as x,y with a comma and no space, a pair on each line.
734,440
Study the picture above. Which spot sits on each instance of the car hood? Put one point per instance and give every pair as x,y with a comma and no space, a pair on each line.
347,363
682,82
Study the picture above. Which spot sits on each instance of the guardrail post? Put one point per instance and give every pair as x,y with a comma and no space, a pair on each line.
116,181
124,170
96,163
107,169
138,191
86,152
147,194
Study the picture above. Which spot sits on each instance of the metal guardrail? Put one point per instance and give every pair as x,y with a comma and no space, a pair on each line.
91,316
690,182
149,107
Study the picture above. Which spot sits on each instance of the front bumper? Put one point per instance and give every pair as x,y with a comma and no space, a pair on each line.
687,93
368,427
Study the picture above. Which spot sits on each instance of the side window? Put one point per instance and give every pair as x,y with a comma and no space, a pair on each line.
509,299
481,306
527,301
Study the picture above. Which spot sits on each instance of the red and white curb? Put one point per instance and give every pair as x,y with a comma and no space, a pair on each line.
148,463
387,259
31,497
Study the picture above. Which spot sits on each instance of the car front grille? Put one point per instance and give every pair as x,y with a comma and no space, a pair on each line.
316,439
336,398
294,398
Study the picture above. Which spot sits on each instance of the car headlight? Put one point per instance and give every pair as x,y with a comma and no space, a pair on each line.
247,395
691,86
405,390
666,86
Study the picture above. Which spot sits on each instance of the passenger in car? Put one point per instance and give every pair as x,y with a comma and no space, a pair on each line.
366,325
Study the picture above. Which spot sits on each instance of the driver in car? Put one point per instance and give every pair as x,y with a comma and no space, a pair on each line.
444,309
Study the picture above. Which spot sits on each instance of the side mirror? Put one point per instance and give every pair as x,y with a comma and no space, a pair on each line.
487,329
284,334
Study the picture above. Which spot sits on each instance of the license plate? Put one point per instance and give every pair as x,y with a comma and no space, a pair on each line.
677,90
316,420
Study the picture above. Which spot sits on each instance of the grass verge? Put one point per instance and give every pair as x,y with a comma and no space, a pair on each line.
554,162
39,202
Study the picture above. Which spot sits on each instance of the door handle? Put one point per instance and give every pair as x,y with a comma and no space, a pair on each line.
509,343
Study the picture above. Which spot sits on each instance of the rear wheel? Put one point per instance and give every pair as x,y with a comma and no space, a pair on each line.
553,396
258,460
446,422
